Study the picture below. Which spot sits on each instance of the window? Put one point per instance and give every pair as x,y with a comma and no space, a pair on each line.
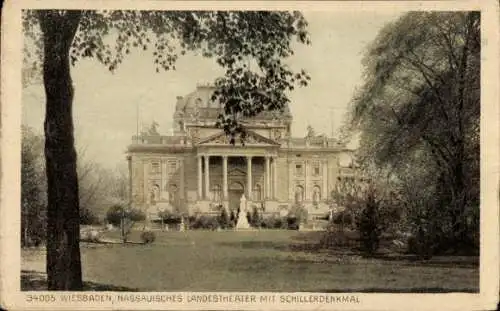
172,167
299,170
257,193
316,169
216,193
155,167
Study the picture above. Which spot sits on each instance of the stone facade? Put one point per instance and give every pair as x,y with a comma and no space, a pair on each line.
196,170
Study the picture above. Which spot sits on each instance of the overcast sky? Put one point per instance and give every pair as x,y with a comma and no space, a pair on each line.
105,104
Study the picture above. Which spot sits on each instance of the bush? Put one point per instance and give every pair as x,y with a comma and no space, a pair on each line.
369,225
87,217
90,236
205,222
117,212
148,237
170,218
223,220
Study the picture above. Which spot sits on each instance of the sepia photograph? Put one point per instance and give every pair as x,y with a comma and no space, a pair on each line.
249,157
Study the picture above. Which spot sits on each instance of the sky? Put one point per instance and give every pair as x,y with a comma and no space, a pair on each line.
108,105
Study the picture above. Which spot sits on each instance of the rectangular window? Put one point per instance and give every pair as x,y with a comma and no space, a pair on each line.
316,169
155,167
299,170
172,167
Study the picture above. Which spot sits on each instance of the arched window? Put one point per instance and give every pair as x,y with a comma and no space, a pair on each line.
299,194
257,192
216,193
316,195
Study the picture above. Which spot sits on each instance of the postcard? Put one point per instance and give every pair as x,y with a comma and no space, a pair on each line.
234,155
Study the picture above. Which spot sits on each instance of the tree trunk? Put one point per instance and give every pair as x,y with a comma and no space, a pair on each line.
63,221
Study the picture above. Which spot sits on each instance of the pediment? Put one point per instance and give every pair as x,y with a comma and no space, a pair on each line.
251,139
236,172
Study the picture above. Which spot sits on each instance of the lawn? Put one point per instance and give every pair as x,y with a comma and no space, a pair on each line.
254,261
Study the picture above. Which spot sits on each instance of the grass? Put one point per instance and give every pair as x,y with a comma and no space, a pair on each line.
255,261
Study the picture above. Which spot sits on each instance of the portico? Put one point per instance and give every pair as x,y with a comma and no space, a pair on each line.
215,169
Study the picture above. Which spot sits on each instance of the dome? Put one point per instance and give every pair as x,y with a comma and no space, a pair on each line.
201,99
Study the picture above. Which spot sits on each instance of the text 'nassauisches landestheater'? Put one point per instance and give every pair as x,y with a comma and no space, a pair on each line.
196,170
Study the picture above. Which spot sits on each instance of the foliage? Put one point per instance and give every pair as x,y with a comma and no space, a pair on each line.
369,224
148,237
62,37
255,219
33,195
206,222
169,217
224,221
91,235
125,217
418,115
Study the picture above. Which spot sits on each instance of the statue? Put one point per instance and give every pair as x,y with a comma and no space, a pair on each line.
242,222
153,130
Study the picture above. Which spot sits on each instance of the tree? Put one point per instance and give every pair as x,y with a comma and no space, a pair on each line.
418,110
231,38
125,217
33,195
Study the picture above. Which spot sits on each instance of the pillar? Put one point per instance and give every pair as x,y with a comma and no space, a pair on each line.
147,195
325,194
200,179
224,177
130,184
275,178
207,176
267,177
249,177
182,186
306,181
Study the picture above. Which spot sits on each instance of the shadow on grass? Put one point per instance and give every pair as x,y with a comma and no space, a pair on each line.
420,290
400,259
37,281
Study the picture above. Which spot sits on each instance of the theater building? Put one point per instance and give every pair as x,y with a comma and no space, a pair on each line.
196,170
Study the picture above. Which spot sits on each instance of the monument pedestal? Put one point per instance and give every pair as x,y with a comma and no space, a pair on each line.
242,223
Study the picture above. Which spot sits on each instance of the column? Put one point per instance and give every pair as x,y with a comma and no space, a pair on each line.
249,177
325,180
291,188
182,186
147,195
267,177
207,176
130,184
275,178
200,178
306,181
224,177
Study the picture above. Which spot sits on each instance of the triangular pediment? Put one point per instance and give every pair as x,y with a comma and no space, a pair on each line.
236,172
251,139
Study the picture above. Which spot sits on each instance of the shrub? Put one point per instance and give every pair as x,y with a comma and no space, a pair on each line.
255,218
223,220
369,225
88,217
170,218
90,236
205,222
116,213
148,237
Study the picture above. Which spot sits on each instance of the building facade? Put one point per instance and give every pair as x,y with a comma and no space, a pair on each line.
196,170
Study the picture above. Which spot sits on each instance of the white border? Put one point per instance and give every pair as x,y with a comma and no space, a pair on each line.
12,298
